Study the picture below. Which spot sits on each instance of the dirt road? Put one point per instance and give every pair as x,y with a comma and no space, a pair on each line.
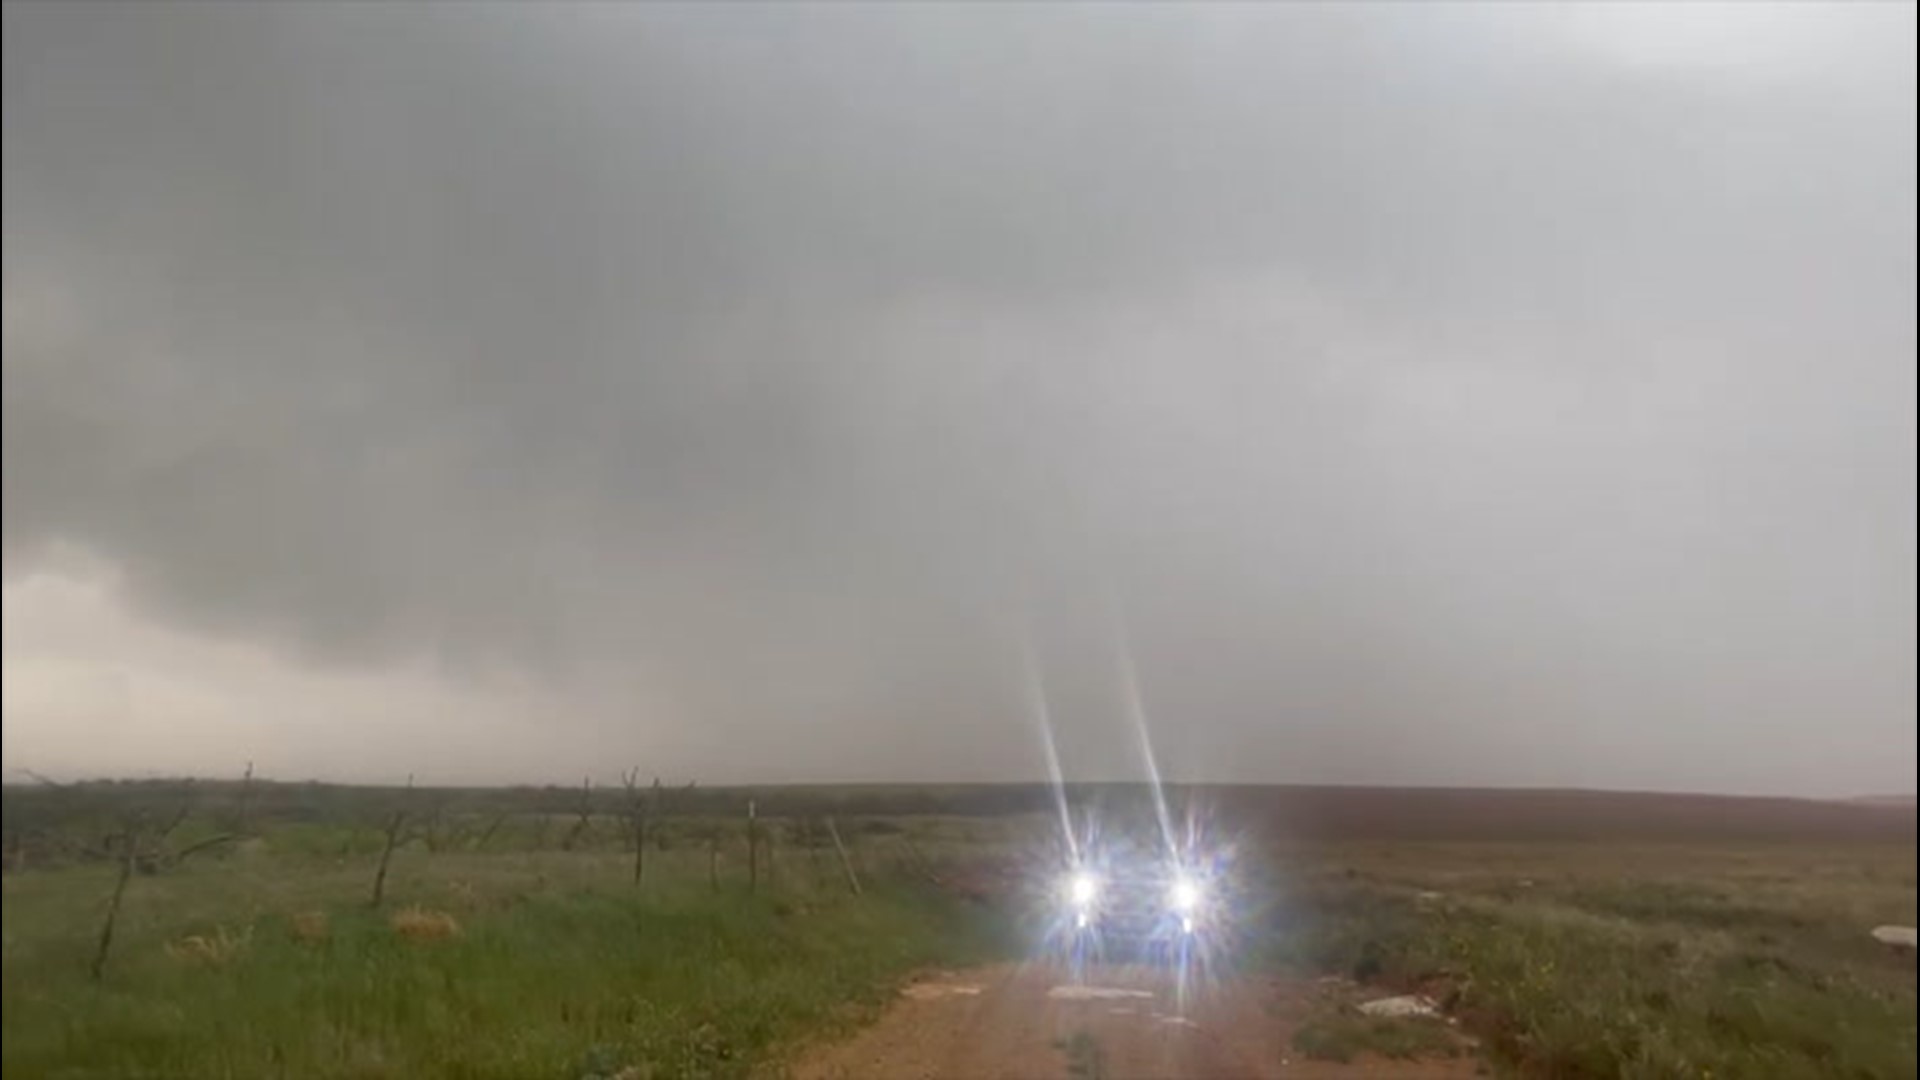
1031,1021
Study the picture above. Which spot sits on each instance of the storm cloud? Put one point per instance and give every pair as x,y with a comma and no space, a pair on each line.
1507,395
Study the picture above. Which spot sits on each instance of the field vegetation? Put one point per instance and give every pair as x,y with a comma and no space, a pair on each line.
1596,960
637,931
534,954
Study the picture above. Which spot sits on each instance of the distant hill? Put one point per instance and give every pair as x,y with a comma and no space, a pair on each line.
1908,802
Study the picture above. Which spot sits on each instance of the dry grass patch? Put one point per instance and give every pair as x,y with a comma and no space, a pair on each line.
310,927
210,950
424,924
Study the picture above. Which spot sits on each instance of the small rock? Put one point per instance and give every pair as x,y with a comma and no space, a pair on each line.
1404,1005
1899,937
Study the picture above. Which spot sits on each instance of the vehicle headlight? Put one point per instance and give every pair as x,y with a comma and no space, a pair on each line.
1083,889
1187,895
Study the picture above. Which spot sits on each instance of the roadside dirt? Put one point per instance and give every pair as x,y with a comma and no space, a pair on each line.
1031,1021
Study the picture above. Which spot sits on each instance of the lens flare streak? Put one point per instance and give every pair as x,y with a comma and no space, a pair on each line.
1129,677
1042,717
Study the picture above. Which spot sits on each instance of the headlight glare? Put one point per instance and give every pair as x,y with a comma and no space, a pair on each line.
1083,888
1187,895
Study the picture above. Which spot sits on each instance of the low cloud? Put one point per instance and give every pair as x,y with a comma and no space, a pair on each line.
1467,396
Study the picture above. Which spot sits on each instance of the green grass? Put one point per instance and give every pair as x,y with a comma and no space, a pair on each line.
1563,959
1574,962
562,969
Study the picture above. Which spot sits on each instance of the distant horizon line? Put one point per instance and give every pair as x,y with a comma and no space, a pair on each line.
28,778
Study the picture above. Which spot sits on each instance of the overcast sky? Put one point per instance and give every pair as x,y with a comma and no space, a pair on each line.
1518,395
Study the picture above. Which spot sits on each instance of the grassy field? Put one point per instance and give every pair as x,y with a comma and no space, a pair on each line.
1577,960
551,965
495,953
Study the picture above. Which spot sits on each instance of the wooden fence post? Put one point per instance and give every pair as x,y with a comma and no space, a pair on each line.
243,815
637,815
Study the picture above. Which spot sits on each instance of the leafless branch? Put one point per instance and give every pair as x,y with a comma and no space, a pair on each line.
203,845
179,814
394,825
